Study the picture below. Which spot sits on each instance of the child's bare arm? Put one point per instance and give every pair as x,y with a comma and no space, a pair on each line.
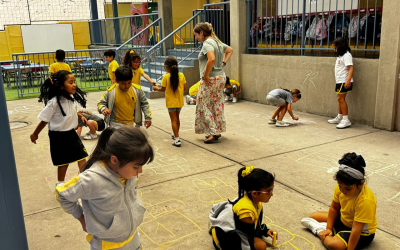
291,112
149,79
184,86
37,131
240,90
333,213
162,89
355,235
348,81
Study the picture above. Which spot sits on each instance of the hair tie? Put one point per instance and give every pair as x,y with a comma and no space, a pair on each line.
132,51
51,80
247,171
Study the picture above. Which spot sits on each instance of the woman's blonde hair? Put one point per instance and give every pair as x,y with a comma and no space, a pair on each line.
207,29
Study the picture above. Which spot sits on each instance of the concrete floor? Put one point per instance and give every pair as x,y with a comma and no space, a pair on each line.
180,186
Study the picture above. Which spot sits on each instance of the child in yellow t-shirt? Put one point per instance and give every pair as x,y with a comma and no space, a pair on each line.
133,60
191,99
232,90
123,103
173,84
59,65
239,222
351,221
113,66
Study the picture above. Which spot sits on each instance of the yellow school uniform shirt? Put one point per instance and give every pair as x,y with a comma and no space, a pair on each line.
55,67
194,89
112,67
245,208
360,208
137,74
173,99
233,82
125,103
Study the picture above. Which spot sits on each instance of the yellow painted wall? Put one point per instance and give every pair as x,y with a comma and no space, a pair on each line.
4,49
124,9
81,34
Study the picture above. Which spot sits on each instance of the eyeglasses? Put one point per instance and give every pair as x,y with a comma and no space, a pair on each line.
267,192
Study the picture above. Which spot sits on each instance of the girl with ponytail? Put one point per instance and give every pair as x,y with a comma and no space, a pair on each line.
111,209
174,85
61,95
255,187
351,221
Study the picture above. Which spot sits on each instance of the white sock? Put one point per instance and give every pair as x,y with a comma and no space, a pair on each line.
176,138
60,183
340,116
346,117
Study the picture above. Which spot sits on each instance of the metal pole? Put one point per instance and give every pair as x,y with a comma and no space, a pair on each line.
96,25
12,226
303,29
117,29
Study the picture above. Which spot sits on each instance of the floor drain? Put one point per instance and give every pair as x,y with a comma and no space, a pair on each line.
15,125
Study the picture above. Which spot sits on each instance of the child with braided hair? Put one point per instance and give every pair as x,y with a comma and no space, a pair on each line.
60,95
351,221
237,225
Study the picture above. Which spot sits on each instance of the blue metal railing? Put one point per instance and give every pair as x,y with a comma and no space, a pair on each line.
103,32
180,40
218,14
301,26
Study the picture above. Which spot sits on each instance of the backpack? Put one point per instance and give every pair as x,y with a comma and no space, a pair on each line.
322,27
370,22
269,28
342,26
288,28
303,22
312,30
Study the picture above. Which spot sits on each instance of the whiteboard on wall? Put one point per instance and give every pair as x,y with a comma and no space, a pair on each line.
47,37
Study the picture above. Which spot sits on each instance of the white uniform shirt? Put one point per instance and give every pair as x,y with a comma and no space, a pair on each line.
341,67
52,114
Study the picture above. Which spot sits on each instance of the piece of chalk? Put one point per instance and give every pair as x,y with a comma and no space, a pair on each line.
274,239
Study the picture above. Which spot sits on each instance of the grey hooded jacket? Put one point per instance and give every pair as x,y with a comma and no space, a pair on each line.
112,211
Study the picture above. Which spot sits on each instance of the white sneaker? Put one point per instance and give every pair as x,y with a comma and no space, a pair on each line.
226,98
343,124
313,225
188,99
234,99
192,101
90,136
281,124
88,133
176,143
335,120
271,121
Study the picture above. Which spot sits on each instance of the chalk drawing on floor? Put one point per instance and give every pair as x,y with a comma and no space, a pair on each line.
167,165
28,109
214,190
287,239
167,224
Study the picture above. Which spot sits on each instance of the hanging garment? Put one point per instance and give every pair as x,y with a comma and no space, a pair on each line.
342,26
311,32
322,29
369,26
354,27
303,22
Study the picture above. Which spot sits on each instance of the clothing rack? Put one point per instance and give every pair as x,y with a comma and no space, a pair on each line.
355,11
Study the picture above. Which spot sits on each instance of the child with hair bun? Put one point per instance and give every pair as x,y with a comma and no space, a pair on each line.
237,225
351,221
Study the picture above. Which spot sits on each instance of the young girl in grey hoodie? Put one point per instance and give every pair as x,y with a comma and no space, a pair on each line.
111,208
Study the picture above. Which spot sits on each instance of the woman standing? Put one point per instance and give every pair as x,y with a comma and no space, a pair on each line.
214,55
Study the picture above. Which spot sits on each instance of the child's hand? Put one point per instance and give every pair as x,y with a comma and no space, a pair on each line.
322,235
106,112
154,83
155,88
34,138
295,118
347,85
83,222
147,124
270,233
